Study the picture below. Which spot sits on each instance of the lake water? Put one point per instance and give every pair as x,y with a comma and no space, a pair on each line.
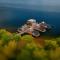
12,18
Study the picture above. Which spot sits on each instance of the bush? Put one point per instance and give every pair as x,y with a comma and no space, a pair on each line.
39,54
24,55
50,44
10,48
16,37
54,54
5,35
27,38
58,40
27,48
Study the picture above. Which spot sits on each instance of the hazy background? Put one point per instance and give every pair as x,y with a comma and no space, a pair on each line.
45,5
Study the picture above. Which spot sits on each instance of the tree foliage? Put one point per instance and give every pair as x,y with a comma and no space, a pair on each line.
16,47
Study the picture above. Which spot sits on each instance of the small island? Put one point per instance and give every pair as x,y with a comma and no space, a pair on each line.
34,28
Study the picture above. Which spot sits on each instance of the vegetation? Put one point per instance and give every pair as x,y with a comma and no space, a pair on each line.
16,47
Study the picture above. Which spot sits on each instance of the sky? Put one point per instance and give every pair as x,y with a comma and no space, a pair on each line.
33,2
48,5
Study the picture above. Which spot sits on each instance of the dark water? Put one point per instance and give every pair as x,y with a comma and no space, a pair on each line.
12,18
